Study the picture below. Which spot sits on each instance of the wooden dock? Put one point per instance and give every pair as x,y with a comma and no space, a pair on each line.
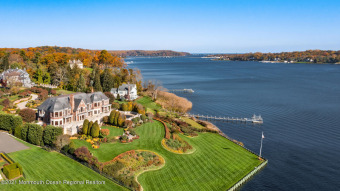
253,119
182,90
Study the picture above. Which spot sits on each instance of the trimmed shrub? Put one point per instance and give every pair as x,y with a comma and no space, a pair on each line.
125,107
50,134
9,122
24,131
28,115
89,128
34,134
17,132
105,132
95,130
85,126
12,171
115,106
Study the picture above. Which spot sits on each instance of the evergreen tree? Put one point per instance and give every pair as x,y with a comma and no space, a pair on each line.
111,117
89,128
81,85
95,130
96,83
5,62
85,126
107,80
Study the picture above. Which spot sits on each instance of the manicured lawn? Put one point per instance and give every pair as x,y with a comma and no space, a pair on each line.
114,131
192,123
64,92
39,164
149,104
216,164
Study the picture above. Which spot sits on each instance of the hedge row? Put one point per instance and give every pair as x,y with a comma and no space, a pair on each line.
10,122
6,158
167,131
35,134
12,171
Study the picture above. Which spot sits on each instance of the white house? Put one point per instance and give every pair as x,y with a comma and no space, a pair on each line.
76,62
128,91
13,76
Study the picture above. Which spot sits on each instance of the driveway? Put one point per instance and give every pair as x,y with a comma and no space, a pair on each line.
22,105
8,144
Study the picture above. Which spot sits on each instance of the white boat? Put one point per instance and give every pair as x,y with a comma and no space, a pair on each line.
257,119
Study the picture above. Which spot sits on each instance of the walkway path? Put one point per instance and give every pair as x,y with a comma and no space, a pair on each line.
22,105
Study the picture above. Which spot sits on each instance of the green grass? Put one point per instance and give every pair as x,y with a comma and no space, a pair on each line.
192,123
39,164
13,97
217,163
89,69
113,131
64,92
149,104
2,163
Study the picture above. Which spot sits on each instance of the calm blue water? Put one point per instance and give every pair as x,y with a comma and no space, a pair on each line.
300,105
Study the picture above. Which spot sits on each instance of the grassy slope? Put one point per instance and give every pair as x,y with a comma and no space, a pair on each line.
216,164
39,164
192,123
148,103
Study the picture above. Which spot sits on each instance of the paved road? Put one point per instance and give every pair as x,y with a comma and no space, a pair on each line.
22,105
8,144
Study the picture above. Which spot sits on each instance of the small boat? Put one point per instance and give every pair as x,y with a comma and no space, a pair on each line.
257,119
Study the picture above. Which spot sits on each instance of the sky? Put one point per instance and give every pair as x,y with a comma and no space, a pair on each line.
210,26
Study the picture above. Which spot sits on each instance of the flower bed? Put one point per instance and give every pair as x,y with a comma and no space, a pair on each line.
128,165
177,145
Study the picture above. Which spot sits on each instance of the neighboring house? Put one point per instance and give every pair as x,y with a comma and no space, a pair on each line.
129,91
70,111
16,77
76,62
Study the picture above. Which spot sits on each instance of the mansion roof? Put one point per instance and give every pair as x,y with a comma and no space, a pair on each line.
63,102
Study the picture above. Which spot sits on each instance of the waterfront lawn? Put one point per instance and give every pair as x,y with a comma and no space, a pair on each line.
149,104
39,164
217,163
192,123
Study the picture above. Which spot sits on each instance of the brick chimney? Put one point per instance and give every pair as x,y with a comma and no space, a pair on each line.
72,102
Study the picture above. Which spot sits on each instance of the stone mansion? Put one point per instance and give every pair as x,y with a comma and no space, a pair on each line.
70,111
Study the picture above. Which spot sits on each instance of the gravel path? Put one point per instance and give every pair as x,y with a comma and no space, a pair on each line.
22,105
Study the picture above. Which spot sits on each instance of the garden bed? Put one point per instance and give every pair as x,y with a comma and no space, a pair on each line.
128,165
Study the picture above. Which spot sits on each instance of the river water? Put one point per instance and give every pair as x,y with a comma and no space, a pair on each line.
300,105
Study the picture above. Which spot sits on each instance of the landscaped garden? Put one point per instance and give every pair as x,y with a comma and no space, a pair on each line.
216,164
39,164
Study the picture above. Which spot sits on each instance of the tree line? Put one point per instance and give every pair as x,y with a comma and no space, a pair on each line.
50,65
313,56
